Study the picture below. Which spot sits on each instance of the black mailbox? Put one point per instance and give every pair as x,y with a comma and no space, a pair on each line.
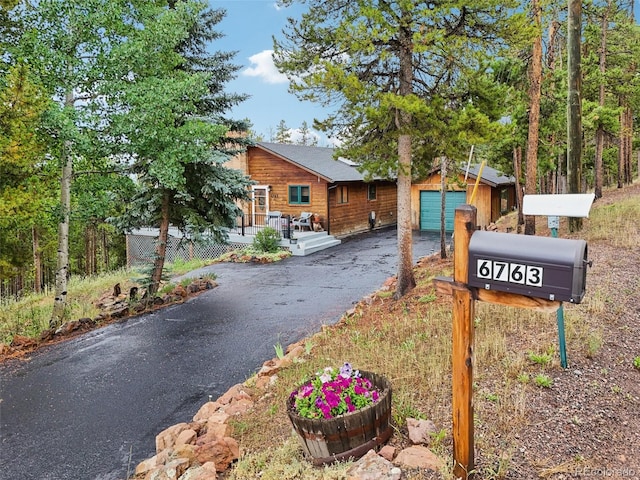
541,267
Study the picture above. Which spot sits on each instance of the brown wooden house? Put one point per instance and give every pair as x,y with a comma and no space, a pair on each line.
292,179
495,196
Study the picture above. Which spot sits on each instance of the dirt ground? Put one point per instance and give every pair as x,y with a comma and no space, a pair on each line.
588,424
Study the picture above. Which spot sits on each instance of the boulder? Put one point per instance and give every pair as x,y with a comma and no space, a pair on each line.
419,457
222,452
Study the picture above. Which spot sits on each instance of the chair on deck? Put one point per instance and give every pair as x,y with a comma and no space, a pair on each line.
272,219
304,220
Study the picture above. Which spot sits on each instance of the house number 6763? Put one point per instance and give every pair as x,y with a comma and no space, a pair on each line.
510,272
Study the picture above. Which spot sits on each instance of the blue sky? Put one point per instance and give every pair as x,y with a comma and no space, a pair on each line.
249,26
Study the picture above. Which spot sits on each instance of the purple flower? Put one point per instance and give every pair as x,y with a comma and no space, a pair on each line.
346,370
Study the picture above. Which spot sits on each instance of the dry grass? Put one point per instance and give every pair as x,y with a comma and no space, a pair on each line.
29,316
409,341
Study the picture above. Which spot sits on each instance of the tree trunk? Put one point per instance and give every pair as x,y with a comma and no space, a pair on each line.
443,203
90,250
517,170
574,110
37,260
406,279
105,250
601,98
161,247
62,267
535,78
628,149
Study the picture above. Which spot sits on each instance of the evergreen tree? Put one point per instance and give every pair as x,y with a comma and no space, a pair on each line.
25,181
283,133
410,81
172,102
306,137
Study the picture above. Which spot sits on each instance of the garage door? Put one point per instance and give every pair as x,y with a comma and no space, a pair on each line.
430,203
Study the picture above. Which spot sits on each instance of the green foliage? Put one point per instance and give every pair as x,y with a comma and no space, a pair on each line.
544,381
636,362
543,359
279,350
267,240
354,51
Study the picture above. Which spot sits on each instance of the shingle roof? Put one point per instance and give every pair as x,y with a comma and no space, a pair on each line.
318,160
491,176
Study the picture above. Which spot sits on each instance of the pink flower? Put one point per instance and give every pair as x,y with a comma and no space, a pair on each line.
305,390
333,400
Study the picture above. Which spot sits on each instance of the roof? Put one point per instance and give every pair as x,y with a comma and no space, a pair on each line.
491,176
317,160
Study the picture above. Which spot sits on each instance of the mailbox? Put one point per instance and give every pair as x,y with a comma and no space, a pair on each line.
541,267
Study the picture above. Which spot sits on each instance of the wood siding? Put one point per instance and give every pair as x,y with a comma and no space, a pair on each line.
487,199
338,219
353,217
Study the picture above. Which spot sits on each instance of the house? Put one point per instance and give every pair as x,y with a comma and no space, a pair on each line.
495,196
292,179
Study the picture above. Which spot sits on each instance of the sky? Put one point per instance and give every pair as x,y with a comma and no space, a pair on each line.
249,26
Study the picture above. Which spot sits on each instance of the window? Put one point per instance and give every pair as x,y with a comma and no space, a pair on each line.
371,191
342,194
299,194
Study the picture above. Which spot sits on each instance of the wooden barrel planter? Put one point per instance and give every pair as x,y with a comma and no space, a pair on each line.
346,436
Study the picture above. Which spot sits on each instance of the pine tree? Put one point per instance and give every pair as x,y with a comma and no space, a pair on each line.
408,79
173,103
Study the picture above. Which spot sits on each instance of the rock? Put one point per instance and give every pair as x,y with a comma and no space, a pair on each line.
295,352
420,431
218,417
20,341
203,472
206,411
419,457
265,382
68,327
234,393
186,437
215,431
146,465
222,452
387,452
187,451
239,407
373,467
175,468
180,291
167,438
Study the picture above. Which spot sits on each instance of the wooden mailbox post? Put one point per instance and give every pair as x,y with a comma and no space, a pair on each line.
543,273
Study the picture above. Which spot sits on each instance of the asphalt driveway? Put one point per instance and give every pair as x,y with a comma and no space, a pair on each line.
90,408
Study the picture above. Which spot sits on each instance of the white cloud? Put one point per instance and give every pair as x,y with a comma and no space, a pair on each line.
264,68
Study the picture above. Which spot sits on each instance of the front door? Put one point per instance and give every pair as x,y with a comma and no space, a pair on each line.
260,204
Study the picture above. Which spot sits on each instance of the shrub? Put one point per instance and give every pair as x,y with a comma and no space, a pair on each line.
267,240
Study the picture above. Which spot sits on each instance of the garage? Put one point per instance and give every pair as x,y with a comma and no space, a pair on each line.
430,205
